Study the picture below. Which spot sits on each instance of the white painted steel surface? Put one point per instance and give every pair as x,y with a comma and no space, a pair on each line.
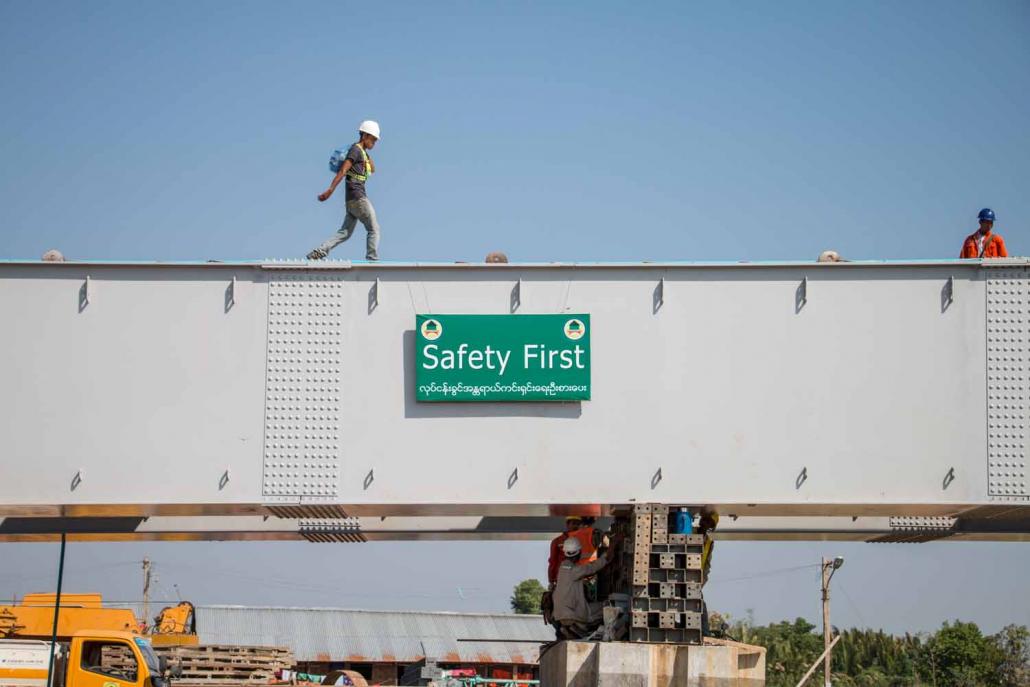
712,385
148,393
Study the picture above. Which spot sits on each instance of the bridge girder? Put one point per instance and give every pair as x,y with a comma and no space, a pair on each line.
210,392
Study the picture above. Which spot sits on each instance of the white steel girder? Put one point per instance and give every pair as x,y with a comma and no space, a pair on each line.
799,389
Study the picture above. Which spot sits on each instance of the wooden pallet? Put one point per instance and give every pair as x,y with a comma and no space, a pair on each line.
214,664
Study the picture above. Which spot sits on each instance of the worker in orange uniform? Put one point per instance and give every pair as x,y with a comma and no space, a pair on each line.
983,243
590,539
581,528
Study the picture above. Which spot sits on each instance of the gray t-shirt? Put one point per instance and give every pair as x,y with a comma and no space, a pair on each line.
355,188
570,599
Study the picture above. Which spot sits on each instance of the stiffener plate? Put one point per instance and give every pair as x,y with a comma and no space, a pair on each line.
1007,398
302,387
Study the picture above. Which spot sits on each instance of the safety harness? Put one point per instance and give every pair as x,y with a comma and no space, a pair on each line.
987,241
351,174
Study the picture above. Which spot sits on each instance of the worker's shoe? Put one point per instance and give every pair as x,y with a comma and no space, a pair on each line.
317,254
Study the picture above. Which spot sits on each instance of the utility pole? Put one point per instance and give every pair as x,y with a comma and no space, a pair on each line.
57,610
829,566
146,591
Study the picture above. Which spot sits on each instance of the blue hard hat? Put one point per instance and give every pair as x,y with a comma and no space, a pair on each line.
986,214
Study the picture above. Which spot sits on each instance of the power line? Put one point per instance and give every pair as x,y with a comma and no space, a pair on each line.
765,573
854,606
282,583
70,570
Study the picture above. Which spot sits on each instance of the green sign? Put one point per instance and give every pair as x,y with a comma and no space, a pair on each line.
502,357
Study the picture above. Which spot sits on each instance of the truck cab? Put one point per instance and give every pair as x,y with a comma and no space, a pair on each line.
89,659
113,659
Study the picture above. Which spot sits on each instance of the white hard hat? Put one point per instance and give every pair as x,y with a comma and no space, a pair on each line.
571,547
830,256
369,127
53,255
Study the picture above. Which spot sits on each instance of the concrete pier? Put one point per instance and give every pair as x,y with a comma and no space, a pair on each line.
717,663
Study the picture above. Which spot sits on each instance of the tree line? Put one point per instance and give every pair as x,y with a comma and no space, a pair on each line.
956,655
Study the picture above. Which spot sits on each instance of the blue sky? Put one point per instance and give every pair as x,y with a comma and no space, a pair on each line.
576,131
552,131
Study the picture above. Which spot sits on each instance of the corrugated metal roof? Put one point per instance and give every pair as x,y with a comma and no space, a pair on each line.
336,634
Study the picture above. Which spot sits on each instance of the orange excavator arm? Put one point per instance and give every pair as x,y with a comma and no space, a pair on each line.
175,626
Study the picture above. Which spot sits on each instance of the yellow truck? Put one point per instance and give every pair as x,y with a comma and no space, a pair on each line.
104,658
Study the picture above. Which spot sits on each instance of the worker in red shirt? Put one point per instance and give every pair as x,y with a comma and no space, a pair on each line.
983,243
572,523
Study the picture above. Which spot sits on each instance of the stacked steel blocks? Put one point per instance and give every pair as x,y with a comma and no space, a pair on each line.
661,572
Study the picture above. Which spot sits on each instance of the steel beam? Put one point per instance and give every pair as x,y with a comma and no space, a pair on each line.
154,390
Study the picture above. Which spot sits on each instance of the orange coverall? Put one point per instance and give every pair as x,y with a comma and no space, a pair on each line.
994,246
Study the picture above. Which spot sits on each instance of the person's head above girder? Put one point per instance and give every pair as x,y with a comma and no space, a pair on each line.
986,219
368,134
496,257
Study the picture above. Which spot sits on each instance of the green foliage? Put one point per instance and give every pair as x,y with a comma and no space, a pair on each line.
868,658
792,647
1012,645
526,597
957,655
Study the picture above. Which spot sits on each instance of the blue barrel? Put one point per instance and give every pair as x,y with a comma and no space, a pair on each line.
682,522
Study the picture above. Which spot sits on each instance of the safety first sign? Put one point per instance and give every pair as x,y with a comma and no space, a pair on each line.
502,358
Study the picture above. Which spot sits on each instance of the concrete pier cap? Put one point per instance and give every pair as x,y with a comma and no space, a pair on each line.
717,663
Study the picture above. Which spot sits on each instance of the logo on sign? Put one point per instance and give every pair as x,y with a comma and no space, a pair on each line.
575,329
431,330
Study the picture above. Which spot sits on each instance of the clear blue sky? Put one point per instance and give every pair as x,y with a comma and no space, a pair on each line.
571,131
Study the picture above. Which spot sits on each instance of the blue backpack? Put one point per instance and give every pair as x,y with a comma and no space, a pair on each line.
337,158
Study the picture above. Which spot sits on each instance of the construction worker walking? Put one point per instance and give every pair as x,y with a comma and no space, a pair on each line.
983,243
355,167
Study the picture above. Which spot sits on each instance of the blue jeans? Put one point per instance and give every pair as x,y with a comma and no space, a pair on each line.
360,209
